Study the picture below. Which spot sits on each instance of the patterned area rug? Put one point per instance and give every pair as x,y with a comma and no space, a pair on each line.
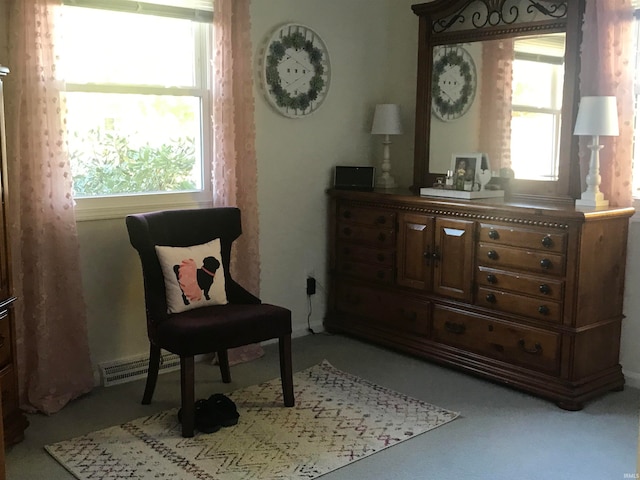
338,419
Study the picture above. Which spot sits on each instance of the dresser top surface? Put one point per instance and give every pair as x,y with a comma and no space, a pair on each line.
486,205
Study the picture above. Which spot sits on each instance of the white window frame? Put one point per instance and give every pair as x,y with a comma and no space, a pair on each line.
555,94
118,206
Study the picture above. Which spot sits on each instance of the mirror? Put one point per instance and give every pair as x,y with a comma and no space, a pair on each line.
500,78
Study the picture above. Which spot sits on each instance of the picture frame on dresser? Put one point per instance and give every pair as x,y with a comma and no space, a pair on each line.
465,166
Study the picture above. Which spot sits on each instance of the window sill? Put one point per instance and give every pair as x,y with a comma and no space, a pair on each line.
106,208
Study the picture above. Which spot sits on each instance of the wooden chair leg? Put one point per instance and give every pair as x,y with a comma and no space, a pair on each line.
286,371
152,374
187,394
223,361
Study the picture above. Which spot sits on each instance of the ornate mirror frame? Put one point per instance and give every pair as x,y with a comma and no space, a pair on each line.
444,22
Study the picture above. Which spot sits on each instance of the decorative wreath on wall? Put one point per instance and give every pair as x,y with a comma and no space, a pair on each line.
295,70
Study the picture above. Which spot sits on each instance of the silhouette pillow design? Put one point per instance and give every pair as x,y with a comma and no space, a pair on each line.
193,276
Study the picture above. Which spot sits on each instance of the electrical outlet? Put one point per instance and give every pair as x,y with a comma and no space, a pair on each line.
311,286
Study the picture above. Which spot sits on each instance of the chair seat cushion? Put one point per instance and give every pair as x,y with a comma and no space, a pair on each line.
220,327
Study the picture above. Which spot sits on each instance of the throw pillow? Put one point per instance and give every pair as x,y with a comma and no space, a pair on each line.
193,276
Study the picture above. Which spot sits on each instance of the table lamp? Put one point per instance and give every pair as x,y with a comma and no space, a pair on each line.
386,121
596,116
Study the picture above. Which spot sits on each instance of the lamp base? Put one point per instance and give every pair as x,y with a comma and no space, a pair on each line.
592,200
385,181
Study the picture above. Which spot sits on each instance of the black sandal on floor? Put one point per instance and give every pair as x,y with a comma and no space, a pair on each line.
206,419
224,406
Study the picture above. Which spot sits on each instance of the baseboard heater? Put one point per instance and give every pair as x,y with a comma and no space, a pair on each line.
134,368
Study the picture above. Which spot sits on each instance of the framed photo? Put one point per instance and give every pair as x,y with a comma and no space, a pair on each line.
465,167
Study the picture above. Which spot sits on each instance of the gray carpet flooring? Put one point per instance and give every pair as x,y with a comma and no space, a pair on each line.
501,433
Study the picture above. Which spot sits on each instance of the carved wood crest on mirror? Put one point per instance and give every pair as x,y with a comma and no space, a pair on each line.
519,109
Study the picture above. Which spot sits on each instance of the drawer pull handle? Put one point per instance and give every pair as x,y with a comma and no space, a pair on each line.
543,310
545,289
382,237
493,234
427,257
492,279
547,242
546,263
346,214
381,257
493,255
381,220
491,298
457,328
536,350
346,231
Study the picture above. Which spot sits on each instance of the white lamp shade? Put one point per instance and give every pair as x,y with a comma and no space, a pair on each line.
597,116
386,120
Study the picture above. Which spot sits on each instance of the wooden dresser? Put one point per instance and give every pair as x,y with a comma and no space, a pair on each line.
14,420
529,295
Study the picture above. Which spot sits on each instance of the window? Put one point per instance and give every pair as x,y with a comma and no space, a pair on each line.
537,106
138,104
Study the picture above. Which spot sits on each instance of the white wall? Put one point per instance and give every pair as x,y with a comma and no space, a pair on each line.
629,351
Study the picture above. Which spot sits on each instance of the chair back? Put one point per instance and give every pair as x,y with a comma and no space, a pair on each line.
178,228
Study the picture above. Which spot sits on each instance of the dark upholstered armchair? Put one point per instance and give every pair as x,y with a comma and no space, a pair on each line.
243,320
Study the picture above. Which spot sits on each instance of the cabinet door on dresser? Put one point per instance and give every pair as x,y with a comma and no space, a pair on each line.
415,248
435,254
453,258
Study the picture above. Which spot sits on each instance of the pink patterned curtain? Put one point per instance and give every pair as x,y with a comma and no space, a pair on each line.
54,364
608,69
495,102
235,176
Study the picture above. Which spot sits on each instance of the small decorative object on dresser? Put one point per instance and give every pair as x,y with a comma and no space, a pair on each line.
295,70
465,166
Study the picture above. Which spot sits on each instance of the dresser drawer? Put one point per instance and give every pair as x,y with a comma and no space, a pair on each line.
367,216
384,309
496,256
366,271
530,347
373,236
520,237
541,309
356,253
543,287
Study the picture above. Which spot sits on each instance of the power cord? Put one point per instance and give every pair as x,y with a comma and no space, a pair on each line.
309,329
